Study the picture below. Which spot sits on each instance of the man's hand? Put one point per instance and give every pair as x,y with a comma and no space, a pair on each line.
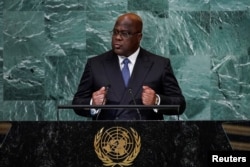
98,96
148,95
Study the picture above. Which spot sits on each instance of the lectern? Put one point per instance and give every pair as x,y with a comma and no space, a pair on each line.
111,143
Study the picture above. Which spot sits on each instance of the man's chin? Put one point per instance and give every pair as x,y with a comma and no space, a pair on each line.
118,51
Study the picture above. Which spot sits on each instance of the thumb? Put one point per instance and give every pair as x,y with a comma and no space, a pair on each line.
102,88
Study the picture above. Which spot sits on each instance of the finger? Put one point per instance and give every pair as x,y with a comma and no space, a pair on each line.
102,88
147,89
144,87
149,92
100,91
98,99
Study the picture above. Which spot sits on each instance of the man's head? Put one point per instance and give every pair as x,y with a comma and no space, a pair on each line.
127,34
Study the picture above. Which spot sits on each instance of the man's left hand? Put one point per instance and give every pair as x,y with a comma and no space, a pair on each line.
148,95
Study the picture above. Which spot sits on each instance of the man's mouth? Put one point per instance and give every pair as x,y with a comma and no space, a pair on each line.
117,46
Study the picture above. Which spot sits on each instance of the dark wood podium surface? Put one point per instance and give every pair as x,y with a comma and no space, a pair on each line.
99,143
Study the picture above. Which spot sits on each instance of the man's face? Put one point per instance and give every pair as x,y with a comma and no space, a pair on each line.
125,46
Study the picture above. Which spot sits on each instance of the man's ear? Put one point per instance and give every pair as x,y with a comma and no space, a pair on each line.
140,36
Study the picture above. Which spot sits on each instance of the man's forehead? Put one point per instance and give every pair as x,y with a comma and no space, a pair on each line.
124,24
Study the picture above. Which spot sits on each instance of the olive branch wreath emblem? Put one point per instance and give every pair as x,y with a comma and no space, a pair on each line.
108,161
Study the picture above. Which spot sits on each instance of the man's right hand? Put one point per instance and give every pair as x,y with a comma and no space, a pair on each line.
98,96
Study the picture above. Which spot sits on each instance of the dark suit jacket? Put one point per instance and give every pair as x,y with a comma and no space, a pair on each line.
151,70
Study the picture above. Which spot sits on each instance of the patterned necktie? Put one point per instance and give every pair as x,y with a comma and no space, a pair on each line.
125,71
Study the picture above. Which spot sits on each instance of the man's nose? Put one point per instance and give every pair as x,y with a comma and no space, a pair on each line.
118,36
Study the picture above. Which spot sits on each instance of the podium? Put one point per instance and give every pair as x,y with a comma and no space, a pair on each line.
111,143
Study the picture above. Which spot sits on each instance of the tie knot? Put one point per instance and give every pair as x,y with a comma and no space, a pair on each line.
126,61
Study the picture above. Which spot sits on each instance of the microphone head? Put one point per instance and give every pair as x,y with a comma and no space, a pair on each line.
107,87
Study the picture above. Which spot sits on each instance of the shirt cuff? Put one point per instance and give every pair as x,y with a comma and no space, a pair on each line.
159,102
93,111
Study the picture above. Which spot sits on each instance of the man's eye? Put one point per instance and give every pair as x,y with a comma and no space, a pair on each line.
124,33
115,32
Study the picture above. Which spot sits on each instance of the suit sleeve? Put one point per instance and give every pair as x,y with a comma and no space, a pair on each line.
171,93
84,91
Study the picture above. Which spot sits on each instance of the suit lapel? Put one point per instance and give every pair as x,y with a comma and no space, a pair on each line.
142,67
113,72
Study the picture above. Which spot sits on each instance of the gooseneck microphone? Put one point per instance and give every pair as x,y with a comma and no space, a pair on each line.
133,98
105,96
104,100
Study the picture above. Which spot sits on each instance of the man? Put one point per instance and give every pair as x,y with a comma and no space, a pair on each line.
144,78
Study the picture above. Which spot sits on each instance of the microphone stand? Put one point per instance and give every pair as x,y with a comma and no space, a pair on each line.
133,98
104,100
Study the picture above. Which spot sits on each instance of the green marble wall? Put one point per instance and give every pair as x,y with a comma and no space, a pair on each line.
44,46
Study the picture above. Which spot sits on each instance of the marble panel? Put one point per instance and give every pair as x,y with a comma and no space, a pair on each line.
149,5
98,30
230,58
230,109
25,80
230,33
65,5
24,5
63,114
1,84
24,47
243,68
106,5
193,75
66,31
224,80
229,5
1,24
197,109
22,28
23,110
155,33
63,75
189,33
37,110
189,5
1,60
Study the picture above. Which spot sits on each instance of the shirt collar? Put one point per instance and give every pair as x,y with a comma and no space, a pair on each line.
132,57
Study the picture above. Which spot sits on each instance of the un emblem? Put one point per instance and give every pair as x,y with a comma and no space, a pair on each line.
117,146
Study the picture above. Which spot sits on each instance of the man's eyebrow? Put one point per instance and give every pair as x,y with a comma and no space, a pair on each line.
122,30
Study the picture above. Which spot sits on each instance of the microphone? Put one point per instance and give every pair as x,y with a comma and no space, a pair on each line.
104,99
105,96
133,98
